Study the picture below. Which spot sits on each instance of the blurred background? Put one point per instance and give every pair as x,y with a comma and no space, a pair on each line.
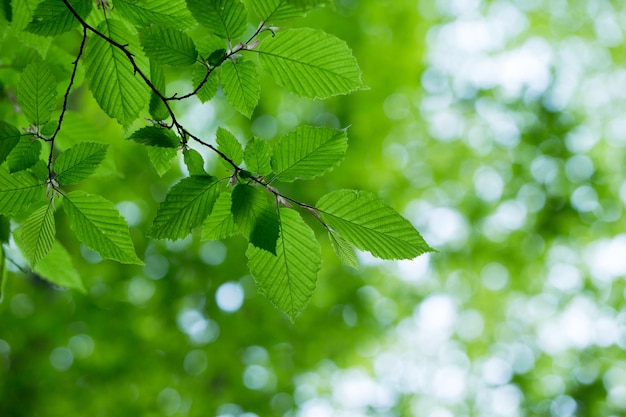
497,127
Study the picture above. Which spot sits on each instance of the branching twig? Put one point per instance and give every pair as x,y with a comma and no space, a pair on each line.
182,131
65,100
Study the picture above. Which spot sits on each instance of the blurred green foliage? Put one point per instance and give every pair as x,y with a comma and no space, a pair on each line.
496,126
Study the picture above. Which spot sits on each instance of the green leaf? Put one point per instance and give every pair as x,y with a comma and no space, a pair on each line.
168,46
308,152
310,63
258,156
220,224
52,17
208,44
158,109
194,162
288,278
79,162
344,250
240,81
229,146
364,220
173,13
225,18
18,191
100,227
38,234
216,57
155,136
57,268
209,88
255,216
25,154
112,80
37,92
9,137
40,170
186,206
161,158
276,10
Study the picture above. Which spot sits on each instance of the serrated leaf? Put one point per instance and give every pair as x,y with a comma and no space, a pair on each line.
288,278
99,225
38,232
173,13
186,206
18,191
367,222
220,224
255,216
161,158
310,63
276,10
225,18
25,154
208,43
52,17
344,250
308,152
57,268
155,136
9,137
79,162
168,46
258,156
194,162
209,88
240,81
158,109
229,146
37,92
112,80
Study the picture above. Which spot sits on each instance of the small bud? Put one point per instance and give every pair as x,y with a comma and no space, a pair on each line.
282,200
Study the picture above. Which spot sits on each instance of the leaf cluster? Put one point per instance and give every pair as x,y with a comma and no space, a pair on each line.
123,58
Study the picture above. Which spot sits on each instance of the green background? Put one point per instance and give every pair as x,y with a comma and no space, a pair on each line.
496,127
